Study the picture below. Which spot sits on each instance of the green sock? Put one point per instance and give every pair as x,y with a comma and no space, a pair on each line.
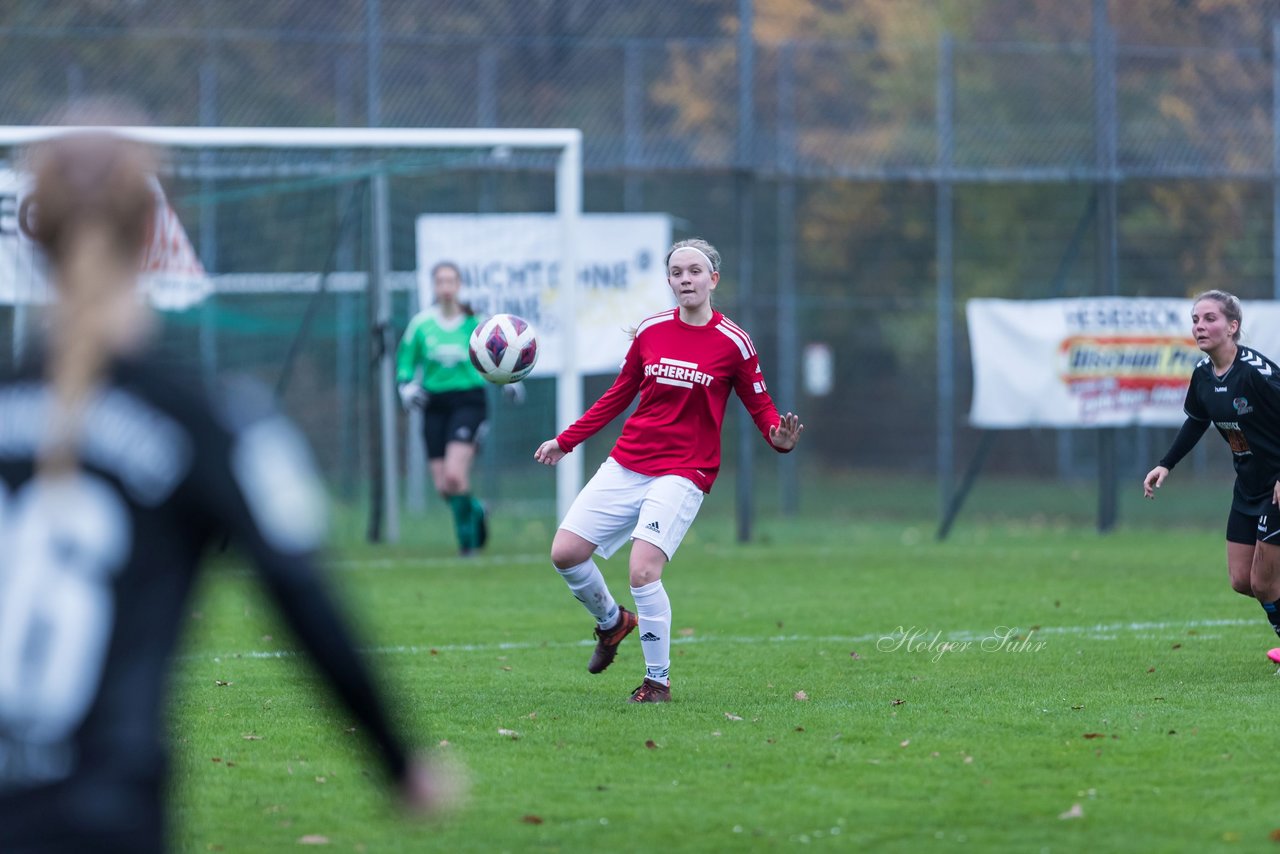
463,525
477,522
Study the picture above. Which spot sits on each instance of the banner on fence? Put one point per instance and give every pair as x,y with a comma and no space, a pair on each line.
1091,362
172,275
509,263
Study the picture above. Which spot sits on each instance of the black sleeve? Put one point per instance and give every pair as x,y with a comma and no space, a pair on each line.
309,608
263,489
1186,439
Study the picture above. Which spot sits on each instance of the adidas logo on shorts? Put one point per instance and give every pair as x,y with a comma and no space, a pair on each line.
653,526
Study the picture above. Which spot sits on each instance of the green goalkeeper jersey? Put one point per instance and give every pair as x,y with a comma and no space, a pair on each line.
441,348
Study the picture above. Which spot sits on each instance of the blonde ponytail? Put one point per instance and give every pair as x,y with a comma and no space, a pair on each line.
91,211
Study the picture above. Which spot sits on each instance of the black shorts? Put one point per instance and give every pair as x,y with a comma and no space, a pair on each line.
453,416
83,816
1247,529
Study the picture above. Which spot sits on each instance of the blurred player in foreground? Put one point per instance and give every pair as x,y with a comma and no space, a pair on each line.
1237,390
115,475
451,394
683,362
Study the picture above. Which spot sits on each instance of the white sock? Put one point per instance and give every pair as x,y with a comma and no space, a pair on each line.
654,610
589,588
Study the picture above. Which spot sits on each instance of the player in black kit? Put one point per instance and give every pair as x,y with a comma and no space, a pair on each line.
1237,390
115,476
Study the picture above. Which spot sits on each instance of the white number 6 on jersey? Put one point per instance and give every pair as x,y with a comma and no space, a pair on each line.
61,542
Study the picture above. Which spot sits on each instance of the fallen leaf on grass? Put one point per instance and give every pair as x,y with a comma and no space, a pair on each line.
896,702
313,839
444,742
1093,735
731,716
322,779
251,737
1076,811
855,656
686,633
1177,646
1151,670
222,684
904,742
651,744
800,695
1275,835
217,759
799,729
509,733
531,819
506,667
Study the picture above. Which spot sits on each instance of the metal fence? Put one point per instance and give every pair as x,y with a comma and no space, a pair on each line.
864,167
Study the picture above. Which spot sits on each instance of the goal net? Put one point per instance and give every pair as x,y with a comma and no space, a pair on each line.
292,256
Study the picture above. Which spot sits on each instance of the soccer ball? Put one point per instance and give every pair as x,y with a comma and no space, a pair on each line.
504,349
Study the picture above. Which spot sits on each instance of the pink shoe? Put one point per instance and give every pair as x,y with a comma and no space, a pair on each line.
1274,655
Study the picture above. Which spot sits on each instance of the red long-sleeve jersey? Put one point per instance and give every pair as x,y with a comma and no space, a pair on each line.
683,374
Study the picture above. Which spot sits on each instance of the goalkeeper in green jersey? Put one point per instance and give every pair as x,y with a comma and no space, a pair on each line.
434,373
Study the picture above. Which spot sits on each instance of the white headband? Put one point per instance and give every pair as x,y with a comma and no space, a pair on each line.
705,256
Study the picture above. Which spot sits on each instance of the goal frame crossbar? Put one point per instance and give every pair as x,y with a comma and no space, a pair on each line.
566,143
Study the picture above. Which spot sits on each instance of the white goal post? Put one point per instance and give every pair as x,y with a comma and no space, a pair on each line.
565,143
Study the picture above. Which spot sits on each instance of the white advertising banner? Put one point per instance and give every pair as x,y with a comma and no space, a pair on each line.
1091,362
173,277
508,264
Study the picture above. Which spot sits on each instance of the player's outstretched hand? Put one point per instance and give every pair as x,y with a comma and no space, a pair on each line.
514,393
1152,481
549,453
413,396
433,786
787,433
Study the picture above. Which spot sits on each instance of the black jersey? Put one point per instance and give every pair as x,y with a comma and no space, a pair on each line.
1244,404
95,569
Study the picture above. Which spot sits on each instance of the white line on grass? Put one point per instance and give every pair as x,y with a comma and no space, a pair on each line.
1101,631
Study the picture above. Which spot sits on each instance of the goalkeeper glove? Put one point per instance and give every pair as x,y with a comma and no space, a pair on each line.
413,395
514,393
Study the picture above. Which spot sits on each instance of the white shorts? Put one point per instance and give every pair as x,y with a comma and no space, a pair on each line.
618,505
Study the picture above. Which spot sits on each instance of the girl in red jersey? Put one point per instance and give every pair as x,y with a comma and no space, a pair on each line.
683,362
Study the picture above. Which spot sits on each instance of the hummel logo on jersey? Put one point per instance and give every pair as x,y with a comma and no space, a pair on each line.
1219,388
649,636
653,526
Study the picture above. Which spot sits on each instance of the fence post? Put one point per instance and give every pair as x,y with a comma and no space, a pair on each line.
1104,107
944,212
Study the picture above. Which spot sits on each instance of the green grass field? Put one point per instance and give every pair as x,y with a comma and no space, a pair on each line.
1128,706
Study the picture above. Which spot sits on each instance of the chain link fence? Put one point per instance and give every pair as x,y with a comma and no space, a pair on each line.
809,142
